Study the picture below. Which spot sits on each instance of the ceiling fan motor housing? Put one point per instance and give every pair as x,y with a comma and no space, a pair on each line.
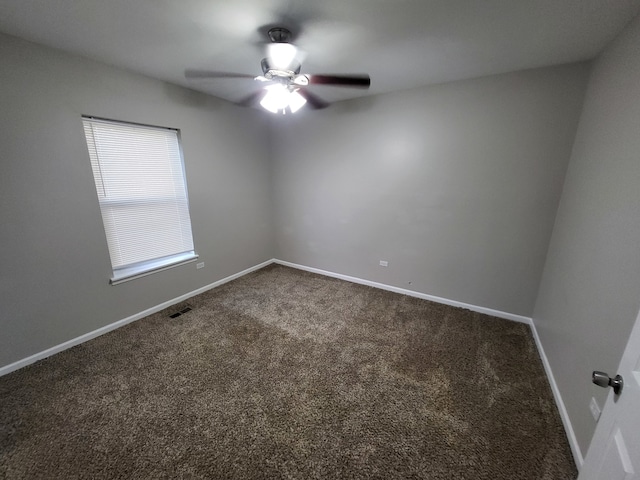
270,72
279,35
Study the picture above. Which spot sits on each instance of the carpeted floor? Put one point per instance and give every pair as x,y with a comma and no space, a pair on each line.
287,374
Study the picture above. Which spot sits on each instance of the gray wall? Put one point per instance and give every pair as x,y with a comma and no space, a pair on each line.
55,262
590,290
455,185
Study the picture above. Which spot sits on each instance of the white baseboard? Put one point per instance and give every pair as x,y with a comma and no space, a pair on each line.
112,326
566,421
411,293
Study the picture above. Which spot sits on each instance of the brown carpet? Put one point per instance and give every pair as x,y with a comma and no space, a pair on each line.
287,374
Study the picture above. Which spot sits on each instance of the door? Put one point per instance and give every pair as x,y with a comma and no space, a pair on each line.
614,453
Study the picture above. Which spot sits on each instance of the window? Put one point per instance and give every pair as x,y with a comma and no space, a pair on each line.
141,187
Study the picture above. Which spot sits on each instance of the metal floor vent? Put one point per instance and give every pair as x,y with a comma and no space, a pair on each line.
181,312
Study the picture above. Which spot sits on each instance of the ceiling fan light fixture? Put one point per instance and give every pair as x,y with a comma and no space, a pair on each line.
287,90
277,98
281,55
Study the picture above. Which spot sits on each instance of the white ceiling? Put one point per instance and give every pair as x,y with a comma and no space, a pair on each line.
400,43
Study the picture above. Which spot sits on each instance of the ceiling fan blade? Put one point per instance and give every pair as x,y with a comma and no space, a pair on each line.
213,74
313,100
252,99
356,81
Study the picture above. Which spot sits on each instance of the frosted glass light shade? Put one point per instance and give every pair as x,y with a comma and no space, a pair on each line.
296,101
281,55
277,98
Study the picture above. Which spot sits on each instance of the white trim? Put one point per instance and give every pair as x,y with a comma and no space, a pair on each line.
564,415
142,269
112,326
411,293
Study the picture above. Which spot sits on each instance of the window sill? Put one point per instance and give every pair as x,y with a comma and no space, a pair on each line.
147,268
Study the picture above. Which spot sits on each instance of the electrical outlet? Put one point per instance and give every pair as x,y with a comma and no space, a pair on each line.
595,409
384,263
200,265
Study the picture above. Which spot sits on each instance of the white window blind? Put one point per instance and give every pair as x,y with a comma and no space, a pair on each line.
141,187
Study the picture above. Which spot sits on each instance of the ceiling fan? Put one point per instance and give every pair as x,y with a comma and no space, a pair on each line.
284,88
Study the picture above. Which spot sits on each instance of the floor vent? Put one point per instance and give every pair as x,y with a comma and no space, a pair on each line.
181,312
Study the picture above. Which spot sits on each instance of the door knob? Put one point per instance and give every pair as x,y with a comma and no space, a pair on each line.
604,380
